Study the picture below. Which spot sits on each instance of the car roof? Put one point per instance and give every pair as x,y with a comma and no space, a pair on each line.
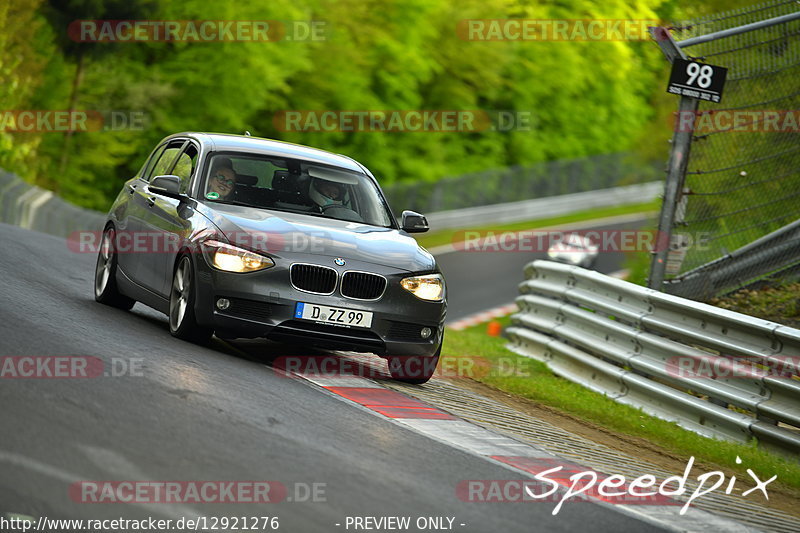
226,142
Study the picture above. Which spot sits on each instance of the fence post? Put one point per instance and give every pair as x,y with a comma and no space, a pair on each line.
676,169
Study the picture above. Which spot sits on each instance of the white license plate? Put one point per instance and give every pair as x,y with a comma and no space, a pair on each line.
333,315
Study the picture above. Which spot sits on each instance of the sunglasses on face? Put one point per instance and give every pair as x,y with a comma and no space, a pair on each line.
222,179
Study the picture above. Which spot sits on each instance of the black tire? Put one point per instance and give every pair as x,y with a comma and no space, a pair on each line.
105,274
182,322
413,369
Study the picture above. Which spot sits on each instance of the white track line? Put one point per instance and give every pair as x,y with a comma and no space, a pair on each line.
483,316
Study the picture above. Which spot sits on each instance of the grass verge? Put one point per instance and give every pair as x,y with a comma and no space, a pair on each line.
531,379
778,303
439,238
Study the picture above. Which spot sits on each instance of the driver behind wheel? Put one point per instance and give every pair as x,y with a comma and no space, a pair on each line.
325,193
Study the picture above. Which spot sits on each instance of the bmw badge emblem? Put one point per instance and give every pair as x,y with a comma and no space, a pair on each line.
339,261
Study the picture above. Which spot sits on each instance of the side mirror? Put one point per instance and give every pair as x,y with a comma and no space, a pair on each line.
167,185
414,222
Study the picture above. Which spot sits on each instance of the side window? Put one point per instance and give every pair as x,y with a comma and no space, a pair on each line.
164,163
145,172
185,166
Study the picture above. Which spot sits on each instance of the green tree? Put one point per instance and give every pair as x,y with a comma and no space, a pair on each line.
62,13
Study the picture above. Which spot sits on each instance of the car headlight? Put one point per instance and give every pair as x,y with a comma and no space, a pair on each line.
234,259
429,287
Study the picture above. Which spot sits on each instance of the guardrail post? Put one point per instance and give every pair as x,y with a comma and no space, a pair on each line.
676,173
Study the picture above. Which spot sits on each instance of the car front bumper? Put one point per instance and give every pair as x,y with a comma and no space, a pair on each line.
263,305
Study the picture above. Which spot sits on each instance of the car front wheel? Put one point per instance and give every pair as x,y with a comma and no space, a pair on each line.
182,322
105,274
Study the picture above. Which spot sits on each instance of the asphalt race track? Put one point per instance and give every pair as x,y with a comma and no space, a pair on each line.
196,413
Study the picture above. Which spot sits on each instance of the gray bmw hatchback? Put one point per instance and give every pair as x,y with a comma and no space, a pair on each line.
245,237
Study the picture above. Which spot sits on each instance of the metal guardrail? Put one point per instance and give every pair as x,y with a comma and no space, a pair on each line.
30,207
710,370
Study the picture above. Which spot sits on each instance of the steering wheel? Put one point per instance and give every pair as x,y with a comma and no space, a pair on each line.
323,208
345,213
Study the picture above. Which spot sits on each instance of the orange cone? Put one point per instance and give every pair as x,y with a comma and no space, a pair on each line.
494,328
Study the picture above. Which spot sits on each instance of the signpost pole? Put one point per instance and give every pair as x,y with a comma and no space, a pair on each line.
676,168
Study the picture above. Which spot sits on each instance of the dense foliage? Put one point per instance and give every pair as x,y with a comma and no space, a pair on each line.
584,97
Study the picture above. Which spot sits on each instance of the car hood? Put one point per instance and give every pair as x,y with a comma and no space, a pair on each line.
290,234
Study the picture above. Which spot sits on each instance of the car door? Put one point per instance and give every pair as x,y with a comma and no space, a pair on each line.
168,220
147,248
130,218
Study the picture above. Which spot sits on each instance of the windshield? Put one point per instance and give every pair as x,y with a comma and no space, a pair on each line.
295,186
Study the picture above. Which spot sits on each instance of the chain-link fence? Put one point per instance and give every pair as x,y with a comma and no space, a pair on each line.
516,183
742,181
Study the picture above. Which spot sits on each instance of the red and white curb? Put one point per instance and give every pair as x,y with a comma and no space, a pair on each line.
483,316
510,453
505,310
